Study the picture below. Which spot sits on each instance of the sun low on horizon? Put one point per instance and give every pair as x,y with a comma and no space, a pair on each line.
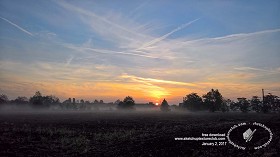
150,50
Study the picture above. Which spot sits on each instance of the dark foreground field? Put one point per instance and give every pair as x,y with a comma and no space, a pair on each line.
124,134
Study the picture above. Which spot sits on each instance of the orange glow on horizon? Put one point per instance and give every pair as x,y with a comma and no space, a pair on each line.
142,91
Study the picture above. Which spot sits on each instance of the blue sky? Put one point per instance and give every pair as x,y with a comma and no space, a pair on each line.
148,49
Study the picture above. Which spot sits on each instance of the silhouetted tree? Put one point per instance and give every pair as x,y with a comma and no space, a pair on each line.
50,100
164,106
193,102
21,100
82,101
43,101
3,99
117,102
265,108
268,103
37,100
213,99
82,104
95,101
127,103
101,102
256,104
87,105
271,102
225,105
234,106
270,99
120,105
276,106
67,101
244,104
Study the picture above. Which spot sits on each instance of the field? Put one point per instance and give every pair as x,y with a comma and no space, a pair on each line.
69,133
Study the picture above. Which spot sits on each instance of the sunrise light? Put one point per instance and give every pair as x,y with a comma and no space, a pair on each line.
92,55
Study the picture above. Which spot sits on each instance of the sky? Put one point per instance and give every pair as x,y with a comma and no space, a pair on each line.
150,49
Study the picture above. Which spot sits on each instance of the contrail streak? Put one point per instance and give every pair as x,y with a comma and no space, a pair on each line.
92,14
151,80
234,36
69,60
102,51
118,52
168,34
17,26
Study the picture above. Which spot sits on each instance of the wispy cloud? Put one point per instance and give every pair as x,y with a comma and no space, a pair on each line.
17,26
109,52
235,36
125,53
124,33
258,71
247,34
118,52
151,80
166,35
69,60
94,15
250,68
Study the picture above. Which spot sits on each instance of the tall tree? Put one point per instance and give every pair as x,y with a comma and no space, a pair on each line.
127,103
193,102
3,99
164,106
213,99
271,102
43,101
256,103
37,100
50,100
234,106
95,101
244,104
225,105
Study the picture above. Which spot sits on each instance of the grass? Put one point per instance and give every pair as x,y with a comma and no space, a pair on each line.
123,134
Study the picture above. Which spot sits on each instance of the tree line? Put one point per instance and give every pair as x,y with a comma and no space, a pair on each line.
211,101
214,101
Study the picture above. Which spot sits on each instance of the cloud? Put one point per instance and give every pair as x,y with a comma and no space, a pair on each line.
127,35
118,52
166,35
235,36
103,51
159,81
17,26
68,61
125,54
95,16
250,68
